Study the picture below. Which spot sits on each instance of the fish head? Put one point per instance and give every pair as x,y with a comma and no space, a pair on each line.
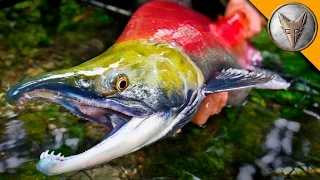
137,79
138,88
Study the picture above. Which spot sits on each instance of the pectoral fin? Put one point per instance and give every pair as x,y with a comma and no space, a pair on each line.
276,83
233,79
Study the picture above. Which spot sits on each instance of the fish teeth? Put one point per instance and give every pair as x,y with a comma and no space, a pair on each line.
51,155
44,154
61,158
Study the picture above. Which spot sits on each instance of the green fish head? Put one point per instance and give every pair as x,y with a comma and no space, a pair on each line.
132,83
134,78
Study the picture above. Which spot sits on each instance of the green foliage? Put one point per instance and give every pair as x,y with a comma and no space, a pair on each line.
31,23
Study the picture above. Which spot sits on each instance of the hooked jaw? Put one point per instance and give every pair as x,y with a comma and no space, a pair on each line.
135,124
140,89
130,137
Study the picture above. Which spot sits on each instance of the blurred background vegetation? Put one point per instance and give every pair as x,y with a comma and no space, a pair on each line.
37,36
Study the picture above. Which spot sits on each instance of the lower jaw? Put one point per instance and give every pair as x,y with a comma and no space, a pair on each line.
132,136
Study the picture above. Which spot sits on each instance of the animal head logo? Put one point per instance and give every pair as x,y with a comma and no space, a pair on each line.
292,29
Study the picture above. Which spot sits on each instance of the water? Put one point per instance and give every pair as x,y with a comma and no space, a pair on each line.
275,135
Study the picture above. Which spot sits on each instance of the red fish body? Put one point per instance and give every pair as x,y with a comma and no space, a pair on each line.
202,39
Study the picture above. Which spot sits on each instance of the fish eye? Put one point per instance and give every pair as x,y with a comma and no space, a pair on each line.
121,82
85,83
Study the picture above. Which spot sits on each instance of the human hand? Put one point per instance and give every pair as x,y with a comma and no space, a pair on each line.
214,103
253,16
211,105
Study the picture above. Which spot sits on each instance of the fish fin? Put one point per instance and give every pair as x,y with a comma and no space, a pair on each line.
276,83
233,79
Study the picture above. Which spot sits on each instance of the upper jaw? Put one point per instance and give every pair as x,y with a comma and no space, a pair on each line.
85,103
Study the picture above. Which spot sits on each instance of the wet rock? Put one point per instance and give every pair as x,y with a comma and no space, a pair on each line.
15,161
278,145
101,173
13,135
14,146
246,172
58,134
9,114
73,143
96,131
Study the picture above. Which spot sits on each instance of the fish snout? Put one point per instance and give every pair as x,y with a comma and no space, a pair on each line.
44,86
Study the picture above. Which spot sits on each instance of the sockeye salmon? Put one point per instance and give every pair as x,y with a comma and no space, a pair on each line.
150,83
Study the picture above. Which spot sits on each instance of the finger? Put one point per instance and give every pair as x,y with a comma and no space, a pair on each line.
202,115
211,105
255,23
214,104
233,7
254,18
206,109
224,99
222,102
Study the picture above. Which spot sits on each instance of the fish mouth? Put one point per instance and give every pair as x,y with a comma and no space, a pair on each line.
84,108
134,123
